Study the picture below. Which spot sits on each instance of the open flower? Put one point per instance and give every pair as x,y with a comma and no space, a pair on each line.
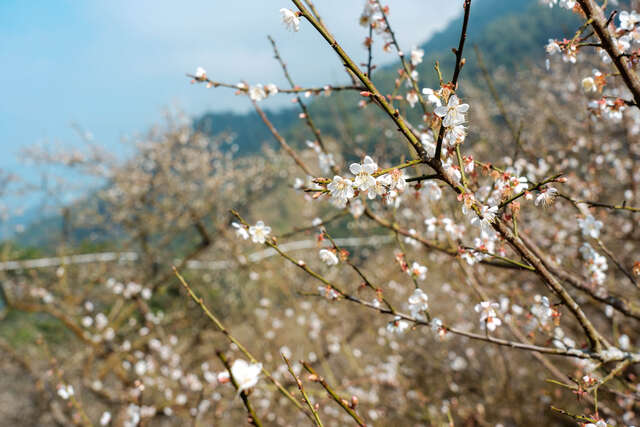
290,19
432,96
257,93
65,391
246,375
201,74
363,173
590,226
412,98
397,325
341,190
356,208
546,196
418,302
328,257
241,231
418,271
486,218
259,232
488,316
453,113
416,56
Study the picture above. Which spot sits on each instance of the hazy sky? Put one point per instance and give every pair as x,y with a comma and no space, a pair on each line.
112,66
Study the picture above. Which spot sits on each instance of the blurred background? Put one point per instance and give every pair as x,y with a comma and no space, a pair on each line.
116,167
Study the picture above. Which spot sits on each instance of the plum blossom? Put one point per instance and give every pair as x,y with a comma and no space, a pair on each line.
363,173
589,85
329,257
546,196
486,218
432,191
412,98
628,20
418,271
453,113
454,135
259,232
105,418
290,19
553,47
245,374
257,93
590,226
356,207
428,142
341,190
328,292
432,96
241,230
416,56
418,302
488,316
542,309
380,187
65,391
397,325
595,264
397,180
201,74
271,89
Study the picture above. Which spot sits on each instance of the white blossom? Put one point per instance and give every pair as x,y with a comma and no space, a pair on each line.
590,226
259,232
546,196
432,96
488,316
201,73
418,271
65,391
486,218
628,20
245,374
329,257
290,19
257,93
412,98
241,231
356,207
453,113
105,418
418,302
416,56
397,325
363,173
341,190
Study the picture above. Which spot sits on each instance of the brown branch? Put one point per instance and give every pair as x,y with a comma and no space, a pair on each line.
340,401
286,147
373,92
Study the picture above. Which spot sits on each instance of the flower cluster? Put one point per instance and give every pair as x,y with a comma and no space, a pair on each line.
595,264
387,185
590,226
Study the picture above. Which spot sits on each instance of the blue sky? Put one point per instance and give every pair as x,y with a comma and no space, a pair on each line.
112,66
